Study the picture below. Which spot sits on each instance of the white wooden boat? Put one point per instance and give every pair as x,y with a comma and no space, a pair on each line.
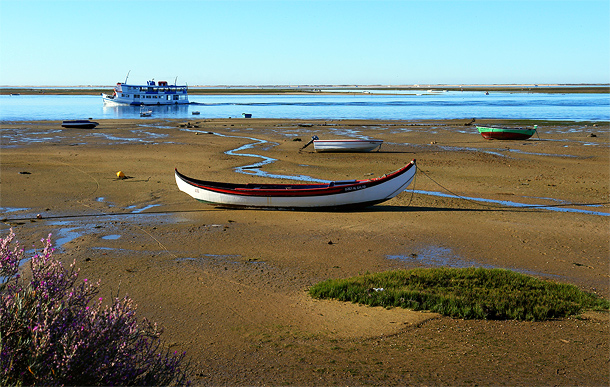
79,124
153,93
333,195
145,112
344,145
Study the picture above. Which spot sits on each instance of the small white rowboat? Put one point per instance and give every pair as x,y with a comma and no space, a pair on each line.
334,195
346,145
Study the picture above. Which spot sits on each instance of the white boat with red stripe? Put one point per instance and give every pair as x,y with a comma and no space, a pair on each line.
345,194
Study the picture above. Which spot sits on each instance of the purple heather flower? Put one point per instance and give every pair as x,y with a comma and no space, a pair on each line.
65,341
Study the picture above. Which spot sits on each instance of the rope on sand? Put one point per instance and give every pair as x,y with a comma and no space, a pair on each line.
102,214
532,206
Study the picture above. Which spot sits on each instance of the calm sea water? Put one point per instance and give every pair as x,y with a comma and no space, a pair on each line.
446,105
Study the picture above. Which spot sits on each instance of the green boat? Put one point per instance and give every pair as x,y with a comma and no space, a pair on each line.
500,133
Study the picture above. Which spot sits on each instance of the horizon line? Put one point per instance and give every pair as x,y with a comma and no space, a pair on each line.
416,85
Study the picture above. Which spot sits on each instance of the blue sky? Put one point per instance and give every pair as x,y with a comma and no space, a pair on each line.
304,42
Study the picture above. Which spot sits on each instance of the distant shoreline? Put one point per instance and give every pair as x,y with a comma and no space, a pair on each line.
356,89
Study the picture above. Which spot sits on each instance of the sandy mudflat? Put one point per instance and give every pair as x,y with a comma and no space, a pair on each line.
229,286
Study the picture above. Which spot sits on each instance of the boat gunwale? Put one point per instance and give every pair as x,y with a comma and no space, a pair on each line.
505,129
349,140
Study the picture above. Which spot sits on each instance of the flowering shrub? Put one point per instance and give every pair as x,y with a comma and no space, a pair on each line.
54,330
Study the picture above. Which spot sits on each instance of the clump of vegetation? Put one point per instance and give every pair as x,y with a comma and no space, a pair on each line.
54,330
469,293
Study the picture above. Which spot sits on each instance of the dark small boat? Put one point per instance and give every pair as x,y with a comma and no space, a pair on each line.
498,133
79,124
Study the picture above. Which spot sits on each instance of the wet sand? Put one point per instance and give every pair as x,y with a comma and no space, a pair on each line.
229,286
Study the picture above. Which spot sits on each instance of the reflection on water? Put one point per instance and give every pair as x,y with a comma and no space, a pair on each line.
437,256
67,232
158,111
138,136
138,211
7,210
444,257
14,137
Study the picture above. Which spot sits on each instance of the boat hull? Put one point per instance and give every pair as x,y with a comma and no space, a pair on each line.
332,195
109,100
79,124
491,133
346,145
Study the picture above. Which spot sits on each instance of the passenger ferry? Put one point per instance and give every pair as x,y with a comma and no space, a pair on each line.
153,93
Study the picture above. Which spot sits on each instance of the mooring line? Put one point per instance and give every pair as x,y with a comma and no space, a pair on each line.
524,206
456,195
413,185
102,214
159,242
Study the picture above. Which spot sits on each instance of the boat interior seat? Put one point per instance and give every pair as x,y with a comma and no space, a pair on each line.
341,182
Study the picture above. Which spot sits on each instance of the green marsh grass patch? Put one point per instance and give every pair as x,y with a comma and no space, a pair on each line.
469,293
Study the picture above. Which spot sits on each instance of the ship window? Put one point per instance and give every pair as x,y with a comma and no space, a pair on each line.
136,96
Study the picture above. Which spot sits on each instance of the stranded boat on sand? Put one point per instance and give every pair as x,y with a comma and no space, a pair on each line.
79,124
497,133
345,145
159,93
334,195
